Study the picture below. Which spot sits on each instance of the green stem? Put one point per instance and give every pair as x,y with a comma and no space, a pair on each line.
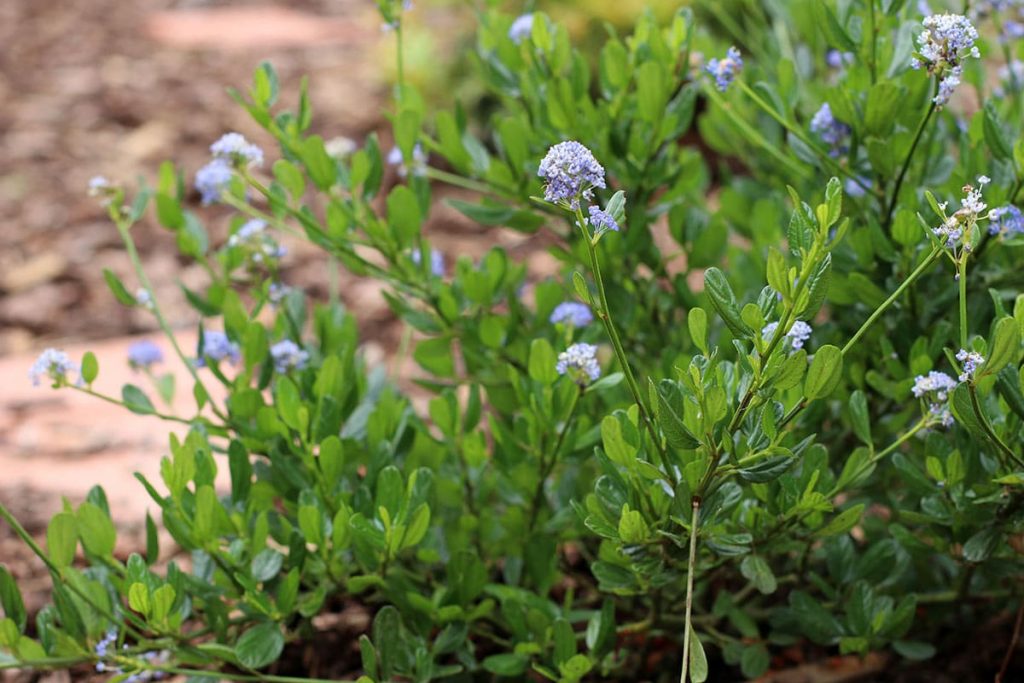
140,273
906,164
691,567
921,268
606,317
873,31
116,402
800,134
961,277
547,464
754,136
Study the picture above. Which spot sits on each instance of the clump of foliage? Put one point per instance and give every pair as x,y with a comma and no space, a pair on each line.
818,444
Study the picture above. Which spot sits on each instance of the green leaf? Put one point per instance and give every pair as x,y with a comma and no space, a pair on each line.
697,321
619,451
542,362
61,539
435,356
404,214
260,645
96,530
136,401
11,601
914,650
756,570
859,416
722,298
880,111
90,367
825,372
842,522
508,664
981,545
670,419
499,214
118,289
698,660
1005,346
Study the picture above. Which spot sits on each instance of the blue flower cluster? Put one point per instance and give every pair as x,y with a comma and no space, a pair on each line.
955,230
724,70
934,388
102,650
217,347
258,245
601,221
1006,221
572,313
521,28
831,131
570,173
947,40
143,354
288,356
579,362
971,361
798,334
419,161
53,364
231,151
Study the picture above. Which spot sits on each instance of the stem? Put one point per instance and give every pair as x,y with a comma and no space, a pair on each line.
906,164
691,566
961,276
620,353
1018,622
924,265
140,273
801,135
921,424
116,402
873,29
983,419
546,466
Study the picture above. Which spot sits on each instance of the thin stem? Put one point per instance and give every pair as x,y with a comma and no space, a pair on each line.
881,455
873,31
140,273
1014,639
116,402
752,134
802,136
906,164
620,353
547,464
691,567
961,277
923,266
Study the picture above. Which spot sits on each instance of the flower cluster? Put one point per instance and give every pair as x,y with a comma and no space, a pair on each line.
947,40
259,247
231,151
521,28
277,292
601,221
724,70
837,60
436,261
143,354
798,334
419,161
143,298
934,388
971,360
955,231
579,362
572,313
53,364
288,356
102,650
103,189
570,172
832,132
217,347
1006,221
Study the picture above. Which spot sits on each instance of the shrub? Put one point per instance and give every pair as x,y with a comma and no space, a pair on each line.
814,446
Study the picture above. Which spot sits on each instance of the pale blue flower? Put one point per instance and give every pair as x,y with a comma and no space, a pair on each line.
212,179
143,354
947,40
1006,221
419,161
579,362
831,131
288,356
54,364
970,360
521,28
798,334
724,70
573,313
570,172
235,149
217,347
602,221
